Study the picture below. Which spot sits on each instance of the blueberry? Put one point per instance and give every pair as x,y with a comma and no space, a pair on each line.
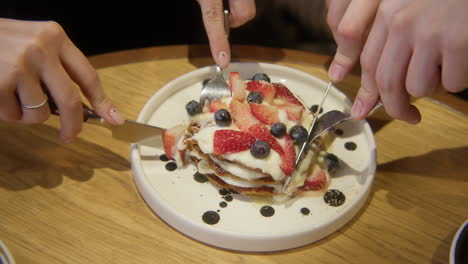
298,134
222,117
332,162
260,149
278,130
254,97
193,108
261,77
314,109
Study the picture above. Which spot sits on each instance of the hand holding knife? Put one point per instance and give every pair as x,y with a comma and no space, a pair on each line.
130,131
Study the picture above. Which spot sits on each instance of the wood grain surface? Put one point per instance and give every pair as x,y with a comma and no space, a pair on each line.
77,203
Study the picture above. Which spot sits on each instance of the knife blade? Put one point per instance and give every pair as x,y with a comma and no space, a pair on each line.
309,137
130,131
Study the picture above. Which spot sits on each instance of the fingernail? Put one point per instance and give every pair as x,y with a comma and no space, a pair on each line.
336,72
116,116
356,110
223,59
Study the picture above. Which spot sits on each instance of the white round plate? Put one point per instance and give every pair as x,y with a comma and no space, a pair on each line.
181,201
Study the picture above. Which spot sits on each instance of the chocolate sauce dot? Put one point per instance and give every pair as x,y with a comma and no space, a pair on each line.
222,204
233,191
267,211
211,217
163,157
223,192
314,109
201,178
350,146
228,198
171,166
334,197
339,131
305,211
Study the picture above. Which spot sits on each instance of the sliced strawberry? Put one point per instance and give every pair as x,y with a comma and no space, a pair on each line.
262,132
265,113
231,141
293,111
267,90
283,92
315,181
216,105
237,86
288,158
240,113
170,138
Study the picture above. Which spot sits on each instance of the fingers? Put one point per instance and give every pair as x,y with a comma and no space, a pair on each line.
66,97
83,74
10,110
242,11
30,93
423,78
391,77
455,68
213,19
350,34
368,94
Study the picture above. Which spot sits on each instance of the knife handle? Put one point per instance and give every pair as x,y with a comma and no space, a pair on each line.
88,113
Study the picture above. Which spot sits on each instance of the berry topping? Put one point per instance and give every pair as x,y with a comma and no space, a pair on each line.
283,92
315,181
298,134
265,113
254,97
314,109
222,117
241,115
231,141
293,111
261,77
193,108
266,89
332,162
237,86
260,132
260,149
216,105
170,139
288,158
278,130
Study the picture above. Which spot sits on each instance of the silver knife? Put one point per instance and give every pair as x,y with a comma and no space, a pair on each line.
309,137
130,131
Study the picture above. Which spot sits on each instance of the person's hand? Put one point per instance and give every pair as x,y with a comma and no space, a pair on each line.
414,49
349,22
241,11
38,60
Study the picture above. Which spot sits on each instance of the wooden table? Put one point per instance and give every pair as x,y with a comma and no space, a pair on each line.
78,203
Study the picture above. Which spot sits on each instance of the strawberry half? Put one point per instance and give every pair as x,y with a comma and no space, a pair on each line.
231,141
315,181
237,86
170,138
267,90
241,115
283,92
262,132
288,158
293,111
265,113
216,105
